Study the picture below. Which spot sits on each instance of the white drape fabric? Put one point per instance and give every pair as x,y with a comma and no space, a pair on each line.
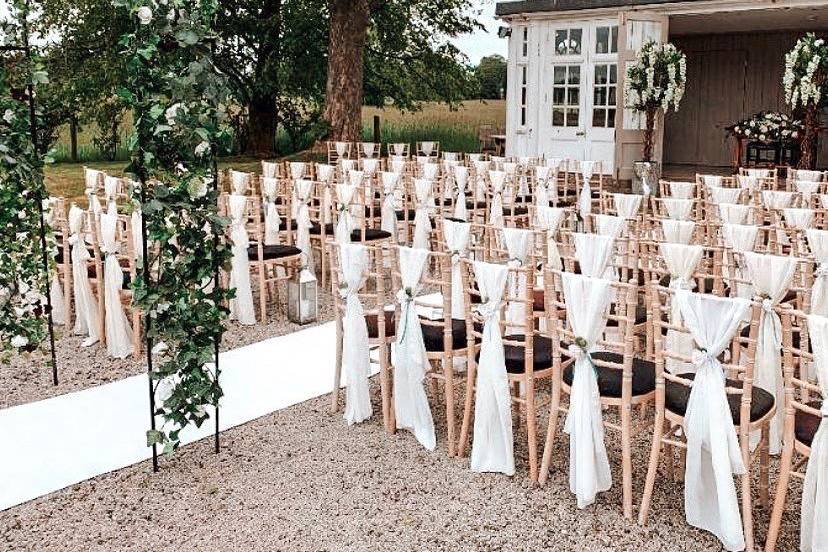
818,243
481,168
55,287
424,192
137,234
771,276
800,219
627,205
678,209
427,148
777,199
302,189
610,225
461,181
390,181
411,406
593,253
682,190
456,235
431,171
681,261
118,330
677,231
739,238
518,245
585,197
325,175
493,446
497,180
353,259
807,189
270,189
87,320
814,529
809,176
92,180
587,300
733,213
549,218
270,169
368,149
239,181
713,453
398,164
341,148
747,182
241,306
345,220
719,194
711,180
542,184
111,184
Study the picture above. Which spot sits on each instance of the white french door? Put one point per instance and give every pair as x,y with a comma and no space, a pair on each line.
580,91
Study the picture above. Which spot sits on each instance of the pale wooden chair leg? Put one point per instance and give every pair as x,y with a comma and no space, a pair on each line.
652,467
136,334
550,430
626,459
448,374
338,369
781,494
764,461
747,499
471,371
392,414
532,429
385,389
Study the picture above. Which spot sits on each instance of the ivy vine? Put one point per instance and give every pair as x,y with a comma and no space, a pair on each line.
177,98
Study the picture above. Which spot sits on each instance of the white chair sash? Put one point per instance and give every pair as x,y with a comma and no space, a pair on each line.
270,169
270,188
427,148
713,452
461,179
724,195
370,166
240,182
325,174
808,176
593,252
497,180
397,149
241,306
137,234
818,243
712,180
800,219
111,184
777,199
682,190
493,446
549,218
398,164
408,354
345,221
302,189
678,209
627,205
807,189
748,182
456,235
587,300
813,529
740,237
368,149
771,276
585,197
118,330
341,148
431,171
55,287
87,321
677,231
481,167
297,170
353,259
681,261
424,192
610,225
518,244
733,213
92,180
389,202
542,186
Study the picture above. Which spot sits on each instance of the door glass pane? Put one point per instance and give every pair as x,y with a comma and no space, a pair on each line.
561,40
602,40
573,96
611,118
574,74
558,117
614,40
613,73
560,74
598,116
572,117
600,74
611,97
600,96
575,41
558,95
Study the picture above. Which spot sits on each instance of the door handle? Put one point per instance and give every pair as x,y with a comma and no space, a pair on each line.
580,133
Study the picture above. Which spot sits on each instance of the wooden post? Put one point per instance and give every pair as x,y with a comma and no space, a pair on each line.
73,138
377,137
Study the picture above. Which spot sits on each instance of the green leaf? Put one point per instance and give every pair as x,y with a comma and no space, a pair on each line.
154,437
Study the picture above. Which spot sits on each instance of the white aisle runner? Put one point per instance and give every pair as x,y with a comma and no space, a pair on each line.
57,442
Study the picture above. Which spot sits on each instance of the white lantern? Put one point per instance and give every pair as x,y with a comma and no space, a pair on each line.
303,305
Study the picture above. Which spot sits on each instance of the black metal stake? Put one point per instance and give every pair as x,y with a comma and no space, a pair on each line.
147,319
39,197
216,281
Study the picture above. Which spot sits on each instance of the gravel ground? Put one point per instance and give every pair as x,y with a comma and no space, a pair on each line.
301,480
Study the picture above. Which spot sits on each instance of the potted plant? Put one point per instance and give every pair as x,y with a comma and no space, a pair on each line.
806,67
654,82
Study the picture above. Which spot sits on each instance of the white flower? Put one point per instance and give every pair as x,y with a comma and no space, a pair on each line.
19,341
159,348
21,214
202,148
197,188
8,116
144,15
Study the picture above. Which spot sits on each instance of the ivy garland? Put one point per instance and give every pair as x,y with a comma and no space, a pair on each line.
23,281
177,96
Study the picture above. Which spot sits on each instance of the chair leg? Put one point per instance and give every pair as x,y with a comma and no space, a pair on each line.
338,369
262,292
471,372
652,467
764,461
550,430
448,375
781,493
626,459
532,429
747,499
385,388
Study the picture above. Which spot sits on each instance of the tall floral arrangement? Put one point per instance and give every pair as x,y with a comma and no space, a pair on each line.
23,279
177,97
806,67
655,81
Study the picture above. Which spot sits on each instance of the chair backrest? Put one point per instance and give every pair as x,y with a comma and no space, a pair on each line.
803,397
373,293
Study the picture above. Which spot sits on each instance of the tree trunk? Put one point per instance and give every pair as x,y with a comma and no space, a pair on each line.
343,94
648,135
73,138
809,141
261,125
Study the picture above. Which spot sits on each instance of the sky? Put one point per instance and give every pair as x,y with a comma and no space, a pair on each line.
483,43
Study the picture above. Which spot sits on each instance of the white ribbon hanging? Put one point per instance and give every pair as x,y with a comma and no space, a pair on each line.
627,205
270,169
297,170
92,180
777,199
408,354
431,171
585,197
240,182
807,189
677,231
549,218
493,445
456,236
678,209
461,180
368,149
733,213
118,330
137,234
272,221
341,148
593,253
345,221
55,287
87,321
111,184
800,219
302,190
682,190
427,148
241,306
518,246
818,243
424,194
398,164
610,225
681,261
771,276
353,260
389,210
586,299
813,528
713,452
325,174
497,180
724,195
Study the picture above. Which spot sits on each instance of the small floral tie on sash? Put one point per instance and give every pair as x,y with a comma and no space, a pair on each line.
272,218
461,178
355,344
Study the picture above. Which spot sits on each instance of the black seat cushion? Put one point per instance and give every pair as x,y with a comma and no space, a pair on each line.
538,300
806,424
609,379
371,234
373,327
401,214
433,336
272,252
676,396
640,316
283,225
516,355
316,229
517,210
470,204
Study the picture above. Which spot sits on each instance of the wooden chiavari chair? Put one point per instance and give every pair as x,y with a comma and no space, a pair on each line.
338,151
428,149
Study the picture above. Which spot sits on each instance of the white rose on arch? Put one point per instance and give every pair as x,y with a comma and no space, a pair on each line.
202,148
144,15
19,341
